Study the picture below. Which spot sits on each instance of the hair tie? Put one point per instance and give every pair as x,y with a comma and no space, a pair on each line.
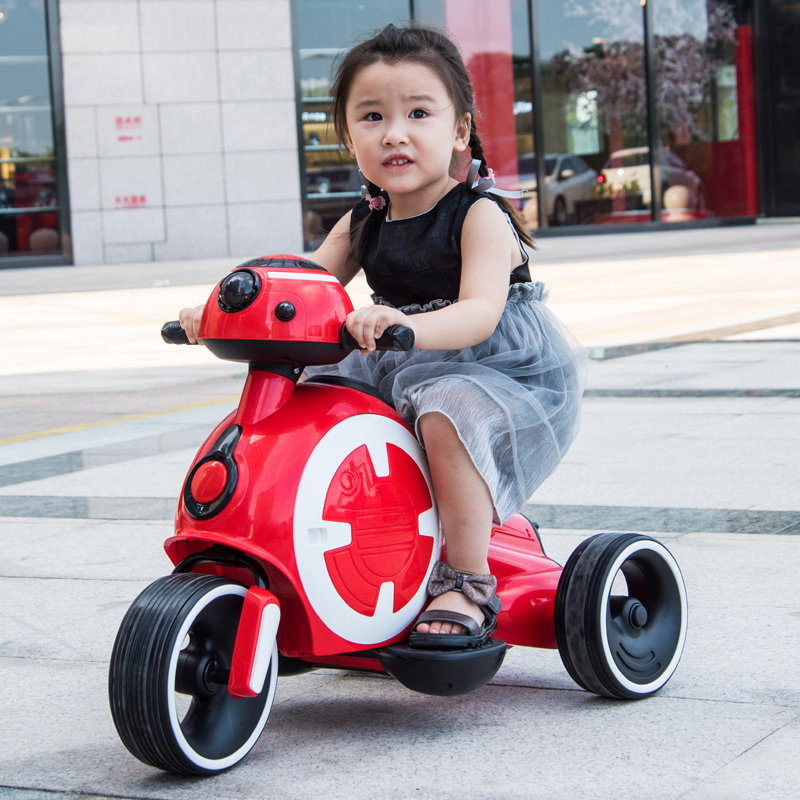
482,185
375,203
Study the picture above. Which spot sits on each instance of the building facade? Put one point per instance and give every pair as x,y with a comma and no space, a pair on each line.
152,130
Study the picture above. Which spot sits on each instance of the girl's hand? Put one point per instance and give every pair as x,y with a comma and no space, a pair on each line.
190,322
369,323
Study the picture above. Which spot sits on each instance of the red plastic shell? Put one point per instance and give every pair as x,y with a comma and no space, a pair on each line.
320,301
258,520
526,584
281,425
245,649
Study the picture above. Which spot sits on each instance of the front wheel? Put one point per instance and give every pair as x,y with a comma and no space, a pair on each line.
621,615
168,677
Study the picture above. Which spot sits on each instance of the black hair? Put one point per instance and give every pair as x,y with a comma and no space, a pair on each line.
432,48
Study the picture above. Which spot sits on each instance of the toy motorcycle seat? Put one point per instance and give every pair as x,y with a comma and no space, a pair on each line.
338,380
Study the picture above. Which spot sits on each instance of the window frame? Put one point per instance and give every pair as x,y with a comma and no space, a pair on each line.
56,79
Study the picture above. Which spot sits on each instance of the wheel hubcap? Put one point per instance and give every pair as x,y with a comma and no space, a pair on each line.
637,616
630,611
643,627
198,674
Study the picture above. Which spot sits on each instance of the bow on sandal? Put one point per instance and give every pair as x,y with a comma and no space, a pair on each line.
478,588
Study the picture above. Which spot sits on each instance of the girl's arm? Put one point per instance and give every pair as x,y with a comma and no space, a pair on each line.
332,255
488,254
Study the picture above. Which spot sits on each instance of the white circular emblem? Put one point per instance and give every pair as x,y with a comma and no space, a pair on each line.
366,528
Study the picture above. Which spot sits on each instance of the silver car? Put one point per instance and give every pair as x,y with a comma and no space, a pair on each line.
631,167
568,179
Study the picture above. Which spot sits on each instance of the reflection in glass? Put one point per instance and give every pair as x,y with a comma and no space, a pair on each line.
325,29
27,164
598,168
594,100
706,116
494,40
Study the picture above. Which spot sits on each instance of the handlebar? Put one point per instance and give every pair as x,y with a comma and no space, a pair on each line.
173,333
395,337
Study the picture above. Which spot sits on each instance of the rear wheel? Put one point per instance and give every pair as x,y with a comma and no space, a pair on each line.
168,677
621,615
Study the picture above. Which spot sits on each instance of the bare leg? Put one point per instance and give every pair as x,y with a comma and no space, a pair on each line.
465,507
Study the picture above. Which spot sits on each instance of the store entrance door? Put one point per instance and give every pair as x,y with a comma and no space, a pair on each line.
784,76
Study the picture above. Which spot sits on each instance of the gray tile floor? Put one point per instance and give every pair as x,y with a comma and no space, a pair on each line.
83,516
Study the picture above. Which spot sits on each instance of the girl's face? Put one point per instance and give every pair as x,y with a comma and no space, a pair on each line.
402,130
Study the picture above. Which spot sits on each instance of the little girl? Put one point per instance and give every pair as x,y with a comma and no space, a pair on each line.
493,385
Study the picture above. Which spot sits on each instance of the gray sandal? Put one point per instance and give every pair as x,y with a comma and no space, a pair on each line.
481,589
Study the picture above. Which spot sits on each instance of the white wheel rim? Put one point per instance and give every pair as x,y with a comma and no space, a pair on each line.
636,547
186,748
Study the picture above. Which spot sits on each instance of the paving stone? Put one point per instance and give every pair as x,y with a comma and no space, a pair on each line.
709,451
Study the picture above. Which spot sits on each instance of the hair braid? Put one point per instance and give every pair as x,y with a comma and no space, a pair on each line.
517,221
476,146
361,232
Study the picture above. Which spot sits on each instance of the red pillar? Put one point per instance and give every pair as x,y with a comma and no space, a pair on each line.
482,29
745,98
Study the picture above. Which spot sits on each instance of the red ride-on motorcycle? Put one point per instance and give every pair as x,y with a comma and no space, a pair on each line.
304,538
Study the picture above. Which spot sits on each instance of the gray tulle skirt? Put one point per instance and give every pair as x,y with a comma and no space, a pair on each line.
514,399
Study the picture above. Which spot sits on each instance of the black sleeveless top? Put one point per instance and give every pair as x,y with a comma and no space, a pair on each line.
417,259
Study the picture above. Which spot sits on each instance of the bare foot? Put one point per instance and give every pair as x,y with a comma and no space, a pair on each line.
451,601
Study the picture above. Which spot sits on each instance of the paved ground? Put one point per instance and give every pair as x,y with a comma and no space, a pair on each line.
695,443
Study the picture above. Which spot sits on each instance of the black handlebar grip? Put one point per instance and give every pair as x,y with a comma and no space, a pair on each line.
395,337
173,333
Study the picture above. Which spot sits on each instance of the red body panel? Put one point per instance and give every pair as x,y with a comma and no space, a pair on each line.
258,520
526,584
380,508
245,650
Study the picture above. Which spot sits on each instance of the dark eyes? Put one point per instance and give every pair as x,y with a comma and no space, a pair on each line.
374,116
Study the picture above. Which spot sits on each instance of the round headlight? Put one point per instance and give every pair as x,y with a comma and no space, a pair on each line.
238,290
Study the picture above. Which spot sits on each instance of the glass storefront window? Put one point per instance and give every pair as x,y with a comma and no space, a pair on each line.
594,107
703,56
614,77
325,29
494,40
29,214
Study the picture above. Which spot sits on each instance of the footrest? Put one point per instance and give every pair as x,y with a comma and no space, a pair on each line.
443,672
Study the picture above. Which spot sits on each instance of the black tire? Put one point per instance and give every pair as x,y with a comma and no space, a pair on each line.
176,639
623,646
